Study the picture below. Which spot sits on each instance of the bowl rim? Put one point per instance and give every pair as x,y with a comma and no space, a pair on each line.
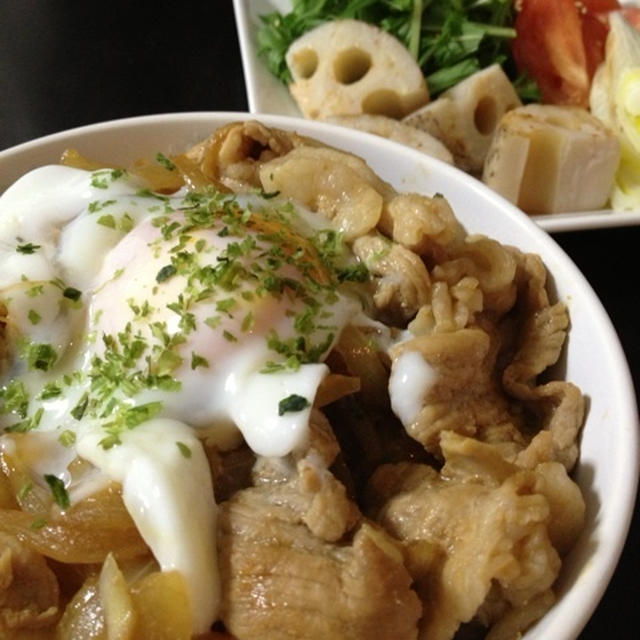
587,597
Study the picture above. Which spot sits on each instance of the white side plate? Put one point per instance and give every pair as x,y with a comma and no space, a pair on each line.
266,94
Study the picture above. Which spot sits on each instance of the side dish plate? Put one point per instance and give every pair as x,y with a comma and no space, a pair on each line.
266,94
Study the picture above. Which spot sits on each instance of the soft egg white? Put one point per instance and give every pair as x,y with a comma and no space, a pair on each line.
94,234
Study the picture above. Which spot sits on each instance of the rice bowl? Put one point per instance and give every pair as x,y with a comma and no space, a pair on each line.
608,467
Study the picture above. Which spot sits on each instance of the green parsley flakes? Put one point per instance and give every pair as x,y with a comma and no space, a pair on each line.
24,491
72,293
38,523
27,248
184,449
15,398
58,490
166,272
164,161
292,404
37,355
100,179
67,438
198,361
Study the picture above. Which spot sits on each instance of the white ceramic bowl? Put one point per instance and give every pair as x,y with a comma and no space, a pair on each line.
608,468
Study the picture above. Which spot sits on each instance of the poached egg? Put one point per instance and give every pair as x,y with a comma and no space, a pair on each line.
136,320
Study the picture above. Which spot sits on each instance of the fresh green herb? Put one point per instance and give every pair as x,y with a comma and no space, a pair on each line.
296,351
292,404
70,293
38,523
165,362
181,307
140,310
111,439
125,418
27,248
34,316
449,39
248,322
58,490
213,321
226,305
126,223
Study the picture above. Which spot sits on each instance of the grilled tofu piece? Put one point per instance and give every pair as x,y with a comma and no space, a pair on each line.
552,159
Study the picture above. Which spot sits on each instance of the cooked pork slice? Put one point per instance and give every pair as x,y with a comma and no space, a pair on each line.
231,156
297,561
480,533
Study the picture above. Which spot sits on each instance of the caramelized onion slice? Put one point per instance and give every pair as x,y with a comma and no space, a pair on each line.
85,533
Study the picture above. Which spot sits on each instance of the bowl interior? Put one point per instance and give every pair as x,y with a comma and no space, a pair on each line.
608,468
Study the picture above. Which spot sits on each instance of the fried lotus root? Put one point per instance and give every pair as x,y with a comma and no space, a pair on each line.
480,532
352,67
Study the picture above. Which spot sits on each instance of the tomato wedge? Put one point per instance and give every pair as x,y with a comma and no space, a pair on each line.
633,16
560,43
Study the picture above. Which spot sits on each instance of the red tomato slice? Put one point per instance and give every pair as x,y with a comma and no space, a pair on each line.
594,34
633,16
598,6
595,29
560,43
